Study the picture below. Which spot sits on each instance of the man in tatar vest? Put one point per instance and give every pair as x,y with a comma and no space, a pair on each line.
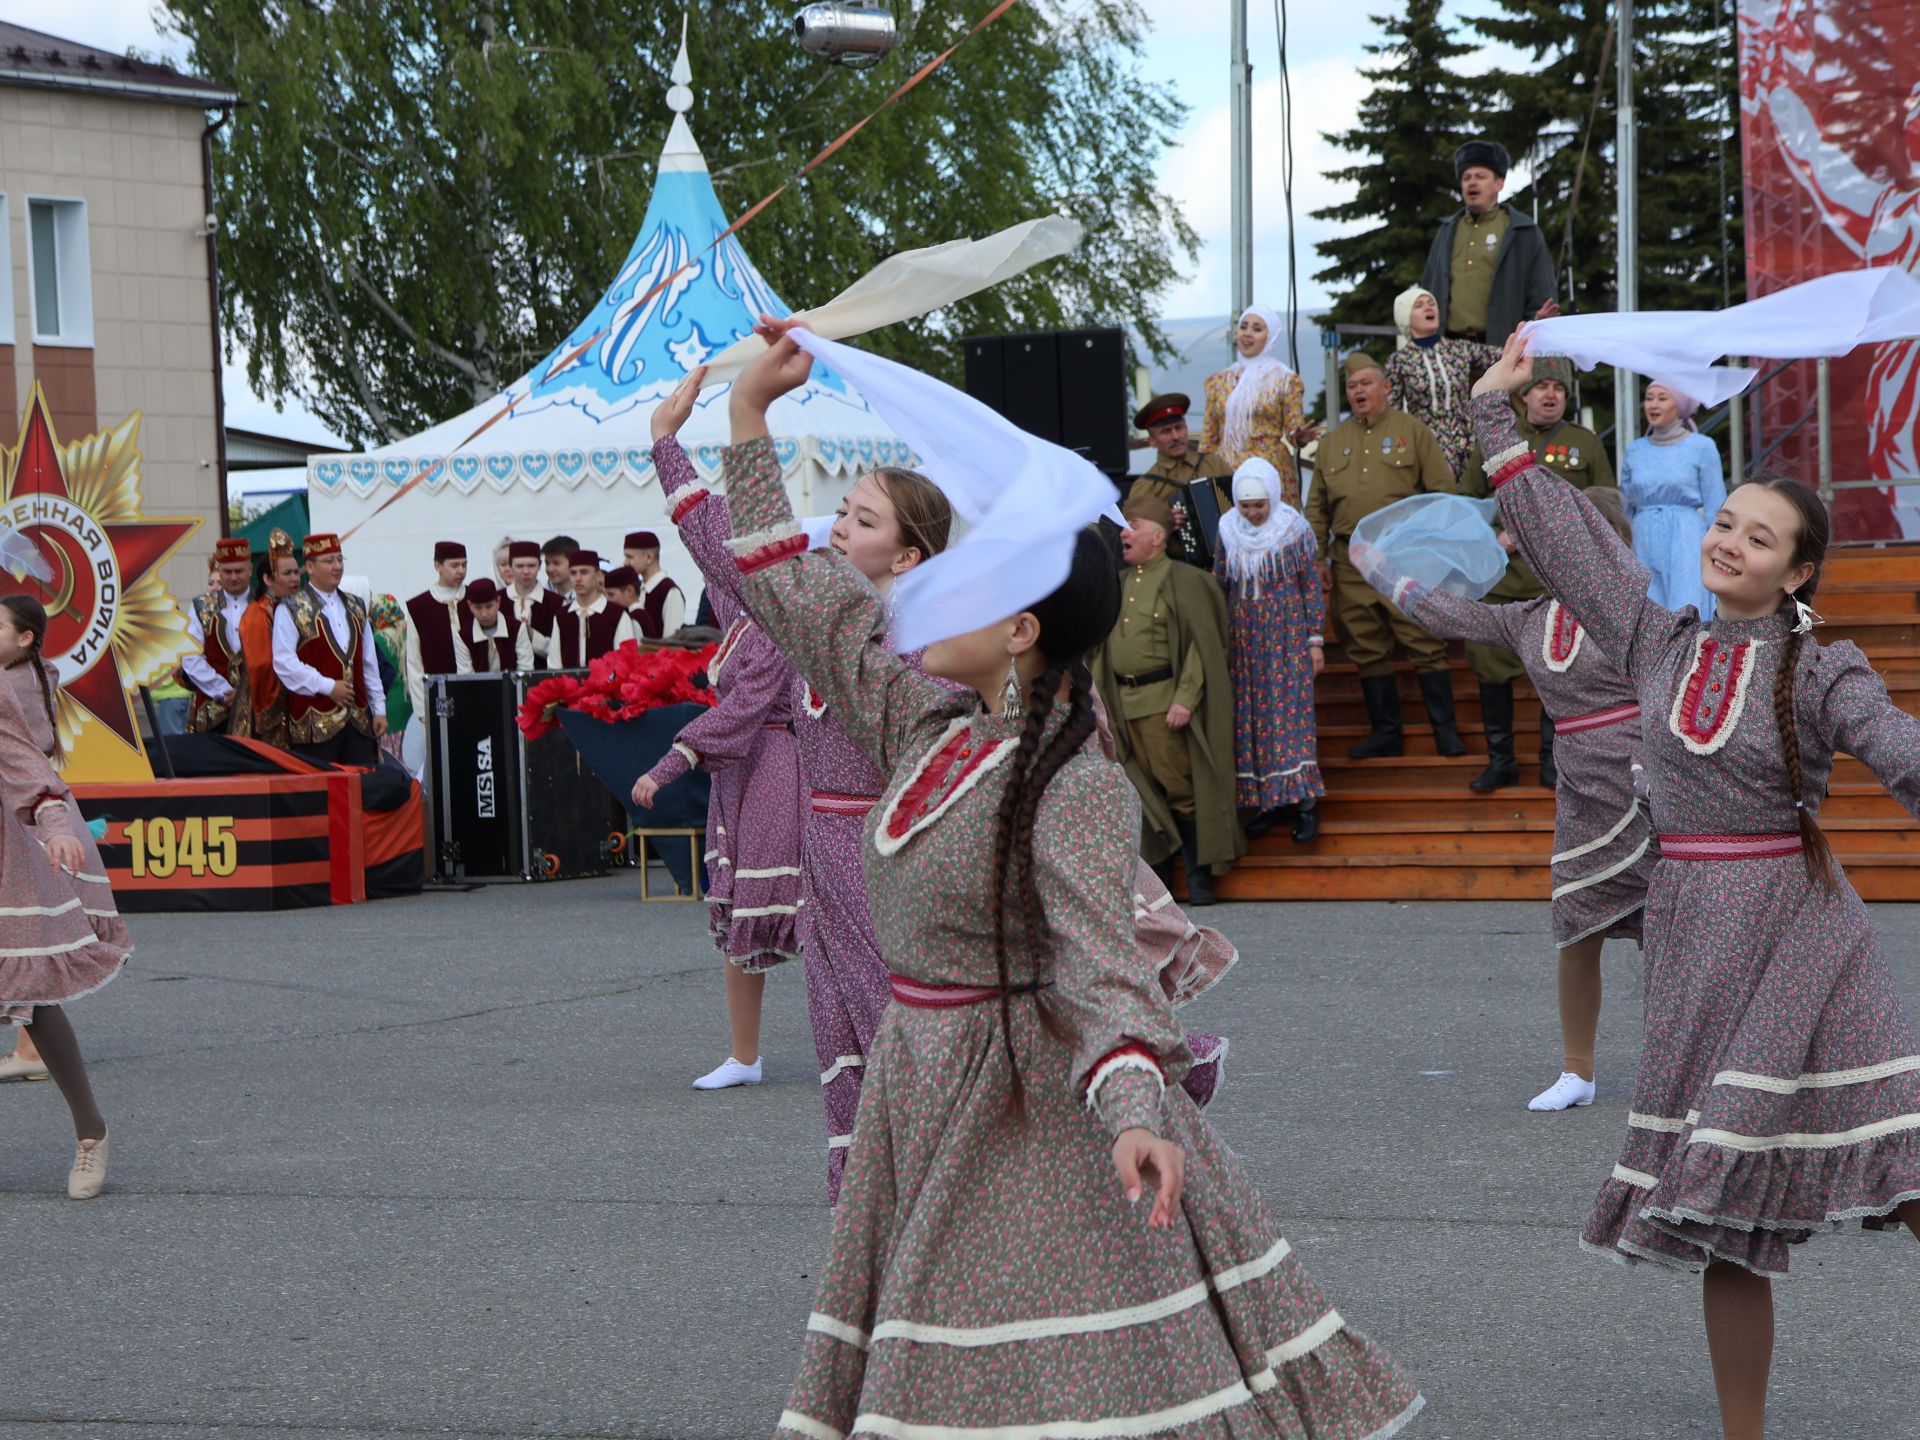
323,655
594,625
525,595
214,668
436,617
663,606
261,709
623,593
494,641
557,556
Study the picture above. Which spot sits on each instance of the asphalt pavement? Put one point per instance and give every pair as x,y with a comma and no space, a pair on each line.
432,1167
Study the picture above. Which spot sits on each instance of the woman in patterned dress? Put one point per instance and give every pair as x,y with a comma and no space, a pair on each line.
1432,374
1603,850
1779,1087
745,740
889,522
1026,1061
61,935
1276,621
1257,406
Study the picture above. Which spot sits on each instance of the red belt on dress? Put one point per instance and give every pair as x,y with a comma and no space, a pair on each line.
1730,847
829,802
1596,719
924,995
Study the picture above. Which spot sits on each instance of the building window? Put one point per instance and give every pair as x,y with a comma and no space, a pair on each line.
60,275
6,279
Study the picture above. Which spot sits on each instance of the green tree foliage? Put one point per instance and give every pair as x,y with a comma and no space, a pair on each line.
1408,127
422,196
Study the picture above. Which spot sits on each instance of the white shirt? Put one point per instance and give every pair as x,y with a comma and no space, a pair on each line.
416,667
673,614
195,666
523,608
476,633
300,677
622,633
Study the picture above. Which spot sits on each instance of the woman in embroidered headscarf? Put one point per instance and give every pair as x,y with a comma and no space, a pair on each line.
1276,619
1431,374
1673,485
1257,406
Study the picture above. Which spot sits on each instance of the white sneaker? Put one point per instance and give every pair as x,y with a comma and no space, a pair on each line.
1566,1092
728,1075
89,1174
16,1067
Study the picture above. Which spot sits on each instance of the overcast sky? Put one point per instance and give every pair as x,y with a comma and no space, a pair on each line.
1188,48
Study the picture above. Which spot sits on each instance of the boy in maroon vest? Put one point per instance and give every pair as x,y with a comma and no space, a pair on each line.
213,671
663,606
494,640
436,618
623,592
594,625
557,556
525,595
323,654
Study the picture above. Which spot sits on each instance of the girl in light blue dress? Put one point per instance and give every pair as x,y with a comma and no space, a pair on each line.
1673,485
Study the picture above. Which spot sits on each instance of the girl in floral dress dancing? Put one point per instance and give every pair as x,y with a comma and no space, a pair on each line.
1779,1087
988,1271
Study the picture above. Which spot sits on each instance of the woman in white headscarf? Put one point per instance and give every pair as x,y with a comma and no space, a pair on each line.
1257,406
1673,484
1276,619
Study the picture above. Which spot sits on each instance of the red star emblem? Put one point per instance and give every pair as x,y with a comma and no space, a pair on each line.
111,624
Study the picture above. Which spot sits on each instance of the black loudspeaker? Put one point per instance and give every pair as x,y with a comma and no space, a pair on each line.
504,807
1067,386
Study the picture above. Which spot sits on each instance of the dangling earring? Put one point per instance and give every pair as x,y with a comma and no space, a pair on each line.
1011,693
1805,616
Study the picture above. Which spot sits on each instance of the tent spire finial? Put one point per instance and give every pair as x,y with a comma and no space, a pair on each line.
680,151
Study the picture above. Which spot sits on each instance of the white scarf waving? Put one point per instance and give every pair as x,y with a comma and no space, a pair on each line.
1256,375
1828,316
1250,549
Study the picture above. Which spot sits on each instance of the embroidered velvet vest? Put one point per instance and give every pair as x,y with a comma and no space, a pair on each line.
313,719
433,627
204,713
650,615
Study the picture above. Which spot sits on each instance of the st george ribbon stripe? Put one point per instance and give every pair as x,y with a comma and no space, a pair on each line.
572,357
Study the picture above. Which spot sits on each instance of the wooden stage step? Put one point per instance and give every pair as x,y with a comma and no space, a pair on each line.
1408,828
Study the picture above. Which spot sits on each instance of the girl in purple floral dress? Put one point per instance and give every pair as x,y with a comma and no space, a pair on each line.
989,1273
746,740
1276,621
1779,1087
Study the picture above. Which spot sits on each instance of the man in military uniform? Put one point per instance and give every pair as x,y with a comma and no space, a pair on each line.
1572,451
1488,268
1175,478
324,658
1365,463
214,668
1169,699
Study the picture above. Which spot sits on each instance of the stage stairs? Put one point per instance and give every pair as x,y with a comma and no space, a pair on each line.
1410,829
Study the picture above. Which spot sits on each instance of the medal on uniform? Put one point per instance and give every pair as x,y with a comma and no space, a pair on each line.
1573,457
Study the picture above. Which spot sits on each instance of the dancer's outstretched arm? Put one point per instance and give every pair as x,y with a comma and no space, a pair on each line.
1451,617
726,732
820,611
1568,543
1858,716
700,516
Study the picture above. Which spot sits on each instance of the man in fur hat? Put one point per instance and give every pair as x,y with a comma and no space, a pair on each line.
1169,699
1488,267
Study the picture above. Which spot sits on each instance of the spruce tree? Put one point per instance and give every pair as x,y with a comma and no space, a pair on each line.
1408,128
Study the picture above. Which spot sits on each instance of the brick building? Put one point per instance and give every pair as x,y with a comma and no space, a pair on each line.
111,267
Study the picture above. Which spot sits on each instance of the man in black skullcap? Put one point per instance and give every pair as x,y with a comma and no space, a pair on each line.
1488,267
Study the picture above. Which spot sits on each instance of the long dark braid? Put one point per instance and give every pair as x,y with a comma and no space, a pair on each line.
1075,618
31,616
1810,547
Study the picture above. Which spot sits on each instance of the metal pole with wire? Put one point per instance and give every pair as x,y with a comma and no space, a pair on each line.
1240,73
1626,415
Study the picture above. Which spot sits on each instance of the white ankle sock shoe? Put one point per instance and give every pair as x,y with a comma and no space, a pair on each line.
1565,1093
728,1075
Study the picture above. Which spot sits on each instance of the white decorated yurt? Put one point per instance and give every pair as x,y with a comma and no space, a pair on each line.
570,455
